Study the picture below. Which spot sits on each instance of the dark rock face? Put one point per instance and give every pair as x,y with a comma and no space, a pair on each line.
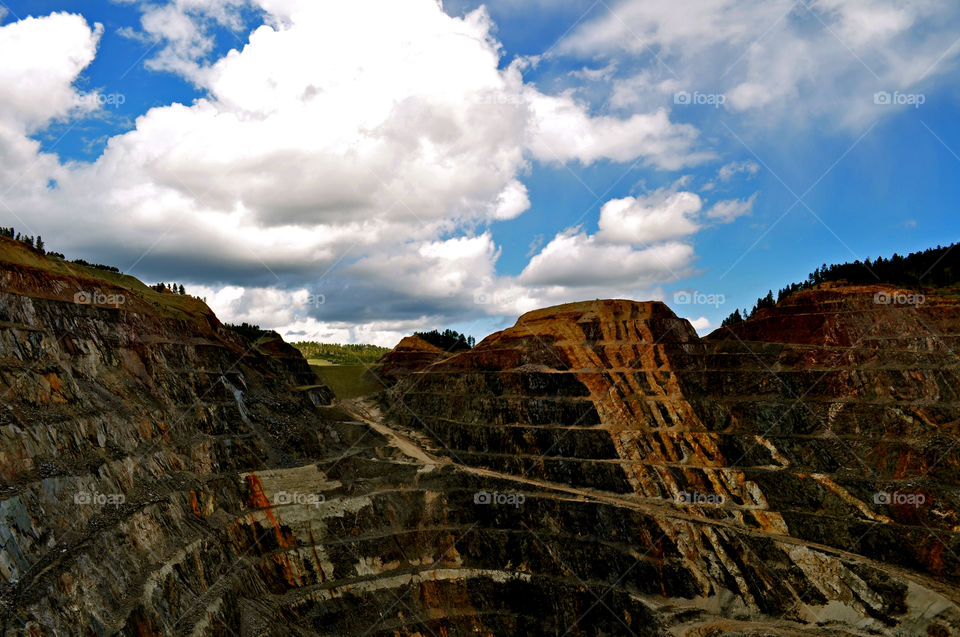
160,475
798,472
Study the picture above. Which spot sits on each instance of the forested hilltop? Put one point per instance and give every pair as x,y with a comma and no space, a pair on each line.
934,268
448,340
360,354
337,354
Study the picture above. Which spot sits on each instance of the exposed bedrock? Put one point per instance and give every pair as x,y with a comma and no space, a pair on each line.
598,469
802,465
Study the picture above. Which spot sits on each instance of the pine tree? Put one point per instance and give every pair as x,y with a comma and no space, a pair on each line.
182,290
40,247
733,319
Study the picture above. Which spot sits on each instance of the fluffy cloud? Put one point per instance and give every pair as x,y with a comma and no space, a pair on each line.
637,245
664,214
181,31
731,209
773,58
287,312
327,128
575,259
562,131
702,324
729,171
331,156
512,202
635,248
42,57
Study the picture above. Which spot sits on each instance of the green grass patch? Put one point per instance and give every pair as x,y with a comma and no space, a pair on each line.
347,381
90,279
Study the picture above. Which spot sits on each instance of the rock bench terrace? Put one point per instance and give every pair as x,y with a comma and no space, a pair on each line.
597,469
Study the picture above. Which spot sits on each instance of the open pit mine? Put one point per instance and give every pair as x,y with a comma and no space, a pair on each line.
597,469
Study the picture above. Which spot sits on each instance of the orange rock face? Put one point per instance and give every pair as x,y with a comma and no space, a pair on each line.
410,354
597,469
795,461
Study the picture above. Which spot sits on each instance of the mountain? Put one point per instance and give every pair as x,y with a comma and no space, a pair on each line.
597,469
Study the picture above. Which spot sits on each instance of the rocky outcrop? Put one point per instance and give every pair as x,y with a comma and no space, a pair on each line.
798,471
130,422
597,469
411,354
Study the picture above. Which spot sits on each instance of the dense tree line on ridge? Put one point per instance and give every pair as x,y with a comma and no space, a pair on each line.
448,340
170,287
346,354
936,267
37,245
249,331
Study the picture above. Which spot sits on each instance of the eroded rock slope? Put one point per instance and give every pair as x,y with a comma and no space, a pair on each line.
598,469
798,472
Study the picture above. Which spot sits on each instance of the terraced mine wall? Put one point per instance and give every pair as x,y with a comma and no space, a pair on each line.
798,471
598,469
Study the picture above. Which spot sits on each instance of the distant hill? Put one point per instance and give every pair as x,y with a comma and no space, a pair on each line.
934,268
337,354
447,340
37,246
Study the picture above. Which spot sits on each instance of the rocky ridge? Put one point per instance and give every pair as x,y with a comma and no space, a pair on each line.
798,470
597,469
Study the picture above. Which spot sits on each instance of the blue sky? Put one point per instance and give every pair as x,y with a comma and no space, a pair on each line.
552,159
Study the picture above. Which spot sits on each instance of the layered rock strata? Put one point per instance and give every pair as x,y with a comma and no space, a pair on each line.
598,469
800,468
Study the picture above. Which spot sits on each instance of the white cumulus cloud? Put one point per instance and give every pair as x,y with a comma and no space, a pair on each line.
820,60
42,58
574,259
664,214
332,155
730,209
